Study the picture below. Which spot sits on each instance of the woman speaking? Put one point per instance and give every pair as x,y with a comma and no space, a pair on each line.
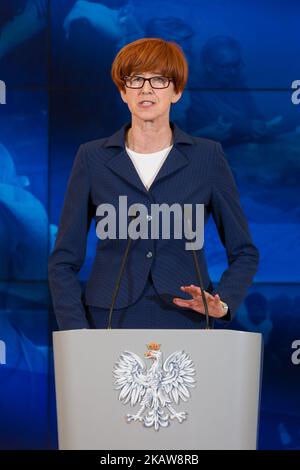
149,162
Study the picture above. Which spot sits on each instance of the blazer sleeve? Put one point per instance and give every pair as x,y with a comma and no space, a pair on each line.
242,254
70,248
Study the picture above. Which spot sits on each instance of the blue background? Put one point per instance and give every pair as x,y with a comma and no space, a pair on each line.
59,94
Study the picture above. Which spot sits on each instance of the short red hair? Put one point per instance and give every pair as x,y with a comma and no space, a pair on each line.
150,54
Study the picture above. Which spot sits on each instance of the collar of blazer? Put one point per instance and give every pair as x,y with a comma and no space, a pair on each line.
118,139
124,167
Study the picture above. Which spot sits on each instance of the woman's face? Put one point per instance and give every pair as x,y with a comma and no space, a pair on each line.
161,99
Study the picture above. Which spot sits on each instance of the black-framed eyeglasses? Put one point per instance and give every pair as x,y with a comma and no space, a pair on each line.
155,82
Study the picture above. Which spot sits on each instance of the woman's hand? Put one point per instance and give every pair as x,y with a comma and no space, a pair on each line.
214,303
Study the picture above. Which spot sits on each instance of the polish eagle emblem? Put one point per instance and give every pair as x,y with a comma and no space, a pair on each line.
156,389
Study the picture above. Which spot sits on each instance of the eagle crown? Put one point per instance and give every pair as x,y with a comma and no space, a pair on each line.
153,351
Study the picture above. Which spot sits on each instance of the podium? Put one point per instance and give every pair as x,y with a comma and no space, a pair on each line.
221,407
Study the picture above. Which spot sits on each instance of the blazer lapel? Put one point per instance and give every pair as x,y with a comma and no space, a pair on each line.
174,162
121,164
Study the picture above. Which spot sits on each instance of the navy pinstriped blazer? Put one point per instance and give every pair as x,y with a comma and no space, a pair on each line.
195,171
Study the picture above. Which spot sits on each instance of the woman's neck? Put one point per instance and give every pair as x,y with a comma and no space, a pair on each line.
148,141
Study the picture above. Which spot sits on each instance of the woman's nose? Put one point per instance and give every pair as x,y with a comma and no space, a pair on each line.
147,85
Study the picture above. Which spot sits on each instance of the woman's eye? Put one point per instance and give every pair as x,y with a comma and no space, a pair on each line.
159,81
137,80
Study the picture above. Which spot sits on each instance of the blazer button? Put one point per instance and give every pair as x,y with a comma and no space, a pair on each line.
149,254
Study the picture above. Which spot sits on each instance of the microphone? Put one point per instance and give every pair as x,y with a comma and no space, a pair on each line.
187,216
118,283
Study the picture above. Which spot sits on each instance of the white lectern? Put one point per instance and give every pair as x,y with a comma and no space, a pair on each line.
221,406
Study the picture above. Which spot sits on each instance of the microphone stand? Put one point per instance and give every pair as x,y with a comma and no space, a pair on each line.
118,283
200,281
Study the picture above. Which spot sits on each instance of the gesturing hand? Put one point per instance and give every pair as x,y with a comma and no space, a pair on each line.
214,304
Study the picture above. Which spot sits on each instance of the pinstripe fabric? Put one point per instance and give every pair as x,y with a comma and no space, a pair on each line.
149,311
195,171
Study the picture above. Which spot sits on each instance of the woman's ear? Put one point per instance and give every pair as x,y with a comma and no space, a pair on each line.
176,97
123,95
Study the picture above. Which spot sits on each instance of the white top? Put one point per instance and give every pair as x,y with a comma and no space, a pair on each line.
148,165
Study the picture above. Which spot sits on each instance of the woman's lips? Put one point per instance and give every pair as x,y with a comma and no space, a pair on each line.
146,104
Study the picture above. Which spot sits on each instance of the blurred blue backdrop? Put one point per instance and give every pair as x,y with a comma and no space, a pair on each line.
55,58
